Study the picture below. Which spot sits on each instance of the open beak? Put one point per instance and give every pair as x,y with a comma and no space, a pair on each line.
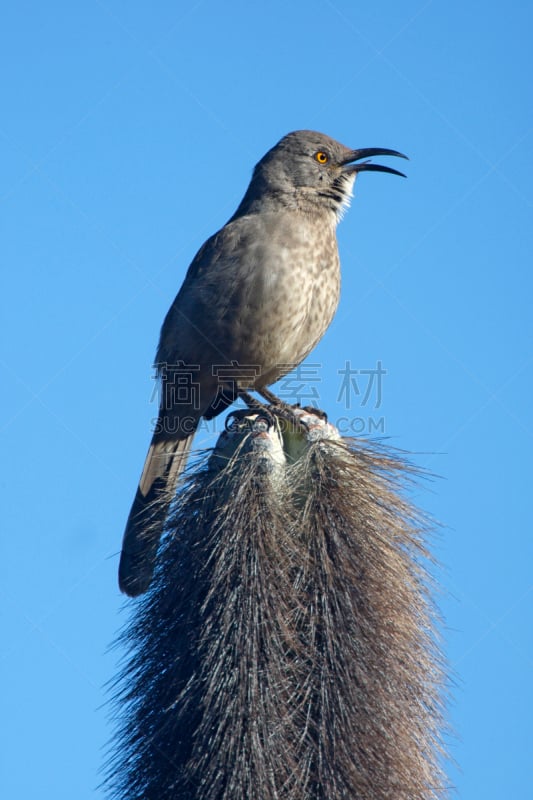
368,152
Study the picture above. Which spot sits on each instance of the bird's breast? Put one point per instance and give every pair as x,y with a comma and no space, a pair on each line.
288,298
261,293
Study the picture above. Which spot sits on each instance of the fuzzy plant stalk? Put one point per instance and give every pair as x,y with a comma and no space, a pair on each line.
286,649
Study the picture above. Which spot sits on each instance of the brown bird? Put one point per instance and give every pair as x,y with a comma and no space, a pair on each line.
257,297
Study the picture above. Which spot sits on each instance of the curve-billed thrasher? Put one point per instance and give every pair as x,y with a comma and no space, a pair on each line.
256,299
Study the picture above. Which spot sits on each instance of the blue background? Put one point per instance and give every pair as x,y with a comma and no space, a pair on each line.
128,133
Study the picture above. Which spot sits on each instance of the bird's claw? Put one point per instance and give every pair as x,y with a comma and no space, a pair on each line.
248,417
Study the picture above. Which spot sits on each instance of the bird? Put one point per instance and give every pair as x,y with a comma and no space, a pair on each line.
256,299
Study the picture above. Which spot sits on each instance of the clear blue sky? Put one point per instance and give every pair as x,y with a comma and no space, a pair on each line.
128,133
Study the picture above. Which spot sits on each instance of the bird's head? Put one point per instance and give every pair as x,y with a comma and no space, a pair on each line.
306,168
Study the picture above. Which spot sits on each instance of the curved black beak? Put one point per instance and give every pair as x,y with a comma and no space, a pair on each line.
368,152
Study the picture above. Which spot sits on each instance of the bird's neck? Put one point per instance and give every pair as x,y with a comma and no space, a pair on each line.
304,201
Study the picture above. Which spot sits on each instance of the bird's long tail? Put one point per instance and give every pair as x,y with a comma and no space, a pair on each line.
165,461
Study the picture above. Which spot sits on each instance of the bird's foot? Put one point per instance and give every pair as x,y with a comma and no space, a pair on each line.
317,412
292,413
276,413
242,415
290,418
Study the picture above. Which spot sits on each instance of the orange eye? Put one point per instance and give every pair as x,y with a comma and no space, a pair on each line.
321,157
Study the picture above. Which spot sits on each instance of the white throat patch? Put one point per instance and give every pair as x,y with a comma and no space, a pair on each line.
347,192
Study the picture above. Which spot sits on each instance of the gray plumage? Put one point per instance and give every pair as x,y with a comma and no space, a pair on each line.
256,299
